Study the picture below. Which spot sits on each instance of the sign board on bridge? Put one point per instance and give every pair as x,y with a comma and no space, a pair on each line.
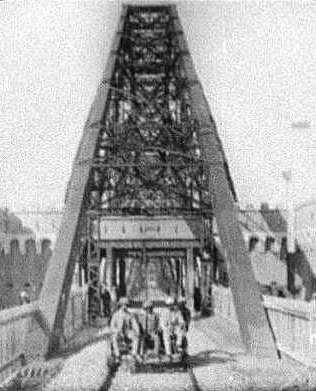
162,229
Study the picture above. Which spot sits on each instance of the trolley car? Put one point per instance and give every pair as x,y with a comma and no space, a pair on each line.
148,258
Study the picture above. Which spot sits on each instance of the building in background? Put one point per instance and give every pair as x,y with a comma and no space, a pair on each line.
265,233
27,241
304,262
25,250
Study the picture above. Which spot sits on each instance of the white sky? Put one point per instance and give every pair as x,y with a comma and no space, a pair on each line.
256,61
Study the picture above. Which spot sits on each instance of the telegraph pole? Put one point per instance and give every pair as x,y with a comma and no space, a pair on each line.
290,234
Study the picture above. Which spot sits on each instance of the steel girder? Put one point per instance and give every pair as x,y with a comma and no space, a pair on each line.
150,146
253,322
148,158
57,282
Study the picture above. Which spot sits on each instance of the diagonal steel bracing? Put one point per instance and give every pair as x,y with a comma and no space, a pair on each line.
150,147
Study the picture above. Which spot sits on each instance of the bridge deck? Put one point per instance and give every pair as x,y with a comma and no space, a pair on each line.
217,362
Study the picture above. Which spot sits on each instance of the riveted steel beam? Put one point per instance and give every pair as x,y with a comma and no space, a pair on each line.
57,283
252,318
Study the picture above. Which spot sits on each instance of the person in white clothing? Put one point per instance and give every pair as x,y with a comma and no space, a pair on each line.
124,325
172,324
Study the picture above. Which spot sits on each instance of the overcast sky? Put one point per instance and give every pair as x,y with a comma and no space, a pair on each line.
256,61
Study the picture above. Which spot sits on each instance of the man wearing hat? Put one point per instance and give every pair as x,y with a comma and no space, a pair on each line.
172,323
24,298
150,325
124,325
105,300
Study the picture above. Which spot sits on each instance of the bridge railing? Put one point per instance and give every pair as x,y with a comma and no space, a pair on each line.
22,338
14,327
293,323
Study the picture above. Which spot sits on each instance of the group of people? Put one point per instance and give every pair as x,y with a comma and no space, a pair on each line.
148,326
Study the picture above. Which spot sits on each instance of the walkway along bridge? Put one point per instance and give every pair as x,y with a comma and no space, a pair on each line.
149,177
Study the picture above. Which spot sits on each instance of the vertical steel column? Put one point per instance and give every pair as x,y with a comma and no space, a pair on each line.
178,276
122,276
114,271
205,285
190,279
109,267
144,254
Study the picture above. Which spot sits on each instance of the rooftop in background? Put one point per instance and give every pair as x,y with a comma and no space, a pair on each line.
265,220
42,223
11,224
275,218
46,222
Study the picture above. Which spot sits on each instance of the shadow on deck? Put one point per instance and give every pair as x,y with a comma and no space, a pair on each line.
88,335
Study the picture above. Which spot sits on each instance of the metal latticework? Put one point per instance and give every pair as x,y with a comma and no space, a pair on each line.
148,159
150,148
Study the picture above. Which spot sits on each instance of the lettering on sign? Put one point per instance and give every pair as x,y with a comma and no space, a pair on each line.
151,228
165,244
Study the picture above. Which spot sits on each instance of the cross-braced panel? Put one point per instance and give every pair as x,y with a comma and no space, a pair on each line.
148,158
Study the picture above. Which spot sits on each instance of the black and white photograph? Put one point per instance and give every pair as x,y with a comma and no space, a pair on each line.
157,195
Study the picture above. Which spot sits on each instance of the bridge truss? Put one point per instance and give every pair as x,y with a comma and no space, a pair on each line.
150,148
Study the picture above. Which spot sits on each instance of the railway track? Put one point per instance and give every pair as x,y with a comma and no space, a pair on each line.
164,376
195,385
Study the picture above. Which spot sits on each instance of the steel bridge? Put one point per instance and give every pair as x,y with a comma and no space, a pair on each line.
150,148
149,179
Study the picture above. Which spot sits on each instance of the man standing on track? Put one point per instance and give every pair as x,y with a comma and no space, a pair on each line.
105,300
